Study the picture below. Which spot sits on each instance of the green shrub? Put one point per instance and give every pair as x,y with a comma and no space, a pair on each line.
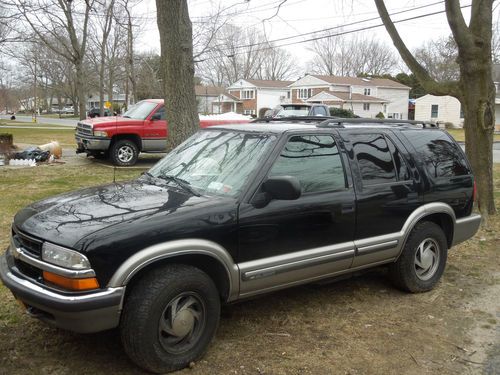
380,115
344,113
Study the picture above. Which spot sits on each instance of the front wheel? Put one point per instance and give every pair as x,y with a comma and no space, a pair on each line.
423,259
169,318
124,153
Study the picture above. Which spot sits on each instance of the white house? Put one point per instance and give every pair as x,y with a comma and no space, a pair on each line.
251,96
366,97
206,96
440,109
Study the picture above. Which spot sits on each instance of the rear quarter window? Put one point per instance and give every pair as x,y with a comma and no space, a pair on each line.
441,156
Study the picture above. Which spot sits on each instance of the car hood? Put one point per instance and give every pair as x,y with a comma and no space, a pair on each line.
67,219
111,120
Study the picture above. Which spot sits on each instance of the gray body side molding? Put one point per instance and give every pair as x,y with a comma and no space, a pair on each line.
277,272
176,248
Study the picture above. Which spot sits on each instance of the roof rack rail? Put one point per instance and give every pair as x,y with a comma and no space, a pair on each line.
297,119
339,122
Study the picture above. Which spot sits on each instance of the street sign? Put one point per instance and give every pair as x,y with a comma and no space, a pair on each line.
107,104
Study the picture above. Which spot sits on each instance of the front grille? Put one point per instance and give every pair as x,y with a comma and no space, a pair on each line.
84,129
29,271
31,245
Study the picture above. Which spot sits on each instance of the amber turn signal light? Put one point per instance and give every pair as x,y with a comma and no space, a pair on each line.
71,284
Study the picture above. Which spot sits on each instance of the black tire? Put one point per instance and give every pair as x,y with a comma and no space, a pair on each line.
124,152
149,304
418,270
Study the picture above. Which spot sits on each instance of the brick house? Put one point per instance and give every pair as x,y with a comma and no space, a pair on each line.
366,97
250,96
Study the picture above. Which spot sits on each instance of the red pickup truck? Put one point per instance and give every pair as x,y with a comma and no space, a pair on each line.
141,129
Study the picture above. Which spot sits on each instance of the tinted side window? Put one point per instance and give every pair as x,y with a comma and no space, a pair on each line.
314,160
319,111
161,112
440,155
374,158
402,169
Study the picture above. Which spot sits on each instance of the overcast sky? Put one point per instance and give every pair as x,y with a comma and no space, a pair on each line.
302,16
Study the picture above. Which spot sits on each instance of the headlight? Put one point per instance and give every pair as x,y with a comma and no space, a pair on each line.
99,133
63,257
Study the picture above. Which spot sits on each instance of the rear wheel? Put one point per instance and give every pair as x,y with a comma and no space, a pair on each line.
124,152
169,318
423,259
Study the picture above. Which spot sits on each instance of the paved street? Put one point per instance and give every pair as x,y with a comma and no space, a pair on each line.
44,120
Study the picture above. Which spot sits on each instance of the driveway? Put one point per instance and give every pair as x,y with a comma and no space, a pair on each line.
44,120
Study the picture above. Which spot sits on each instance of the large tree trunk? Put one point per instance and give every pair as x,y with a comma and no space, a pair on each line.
474,89
478,100
178,69
81,91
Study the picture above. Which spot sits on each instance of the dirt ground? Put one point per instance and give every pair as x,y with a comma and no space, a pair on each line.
361,325
357,326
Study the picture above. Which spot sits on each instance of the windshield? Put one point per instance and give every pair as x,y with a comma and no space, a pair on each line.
215,162
140,110
293,111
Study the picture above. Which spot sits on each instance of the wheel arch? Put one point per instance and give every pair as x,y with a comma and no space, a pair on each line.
208,256
128,136
437,212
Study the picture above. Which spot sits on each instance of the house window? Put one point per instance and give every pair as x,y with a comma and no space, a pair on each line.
249,112
288,94
305,93
461,111
434,110
366,106
385,108
248,94
368,92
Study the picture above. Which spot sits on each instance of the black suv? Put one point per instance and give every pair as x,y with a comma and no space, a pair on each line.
235,212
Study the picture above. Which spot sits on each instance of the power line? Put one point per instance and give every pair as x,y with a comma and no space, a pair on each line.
329,28
330,35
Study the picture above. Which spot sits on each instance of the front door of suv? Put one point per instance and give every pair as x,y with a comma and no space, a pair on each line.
291,241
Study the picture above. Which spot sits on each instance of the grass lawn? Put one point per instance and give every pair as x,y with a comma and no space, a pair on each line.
55,115
459,135
63,134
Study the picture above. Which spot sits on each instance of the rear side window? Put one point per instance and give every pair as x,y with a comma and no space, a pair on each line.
440,155
374,158
314,160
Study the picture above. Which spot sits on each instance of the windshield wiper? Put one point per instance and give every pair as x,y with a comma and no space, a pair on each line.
180,182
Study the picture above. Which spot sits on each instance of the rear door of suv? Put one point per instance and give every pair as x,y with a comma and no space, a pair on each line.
290,241
388,189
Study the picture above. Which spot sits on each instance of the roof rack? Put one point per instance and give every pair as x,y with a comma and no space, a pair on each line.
320,119
339,122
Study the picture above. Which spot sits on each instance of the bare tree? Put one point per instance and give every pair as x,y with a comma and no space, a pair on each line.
351,55
474,88
149,76
177,64
55,24
278,65
235,53
439,58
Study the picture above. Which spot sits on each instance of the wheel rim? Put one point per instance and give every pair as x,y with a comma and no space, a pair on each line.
427,259
181,323
125,154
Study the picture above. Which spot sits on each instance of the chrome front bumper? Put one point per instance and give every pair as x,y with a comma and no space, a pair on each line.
83,313
88,143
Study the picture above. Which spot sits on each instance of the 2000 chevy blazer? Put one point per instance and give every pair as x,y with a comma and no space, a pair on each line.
234,212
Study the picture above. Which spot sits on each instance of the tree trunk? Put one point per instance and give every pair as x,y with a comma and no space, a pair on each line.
101,83
81,91
478,103
178,69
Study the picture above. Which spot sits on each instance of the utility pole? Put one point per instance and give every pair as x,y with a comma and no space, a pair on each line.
34,98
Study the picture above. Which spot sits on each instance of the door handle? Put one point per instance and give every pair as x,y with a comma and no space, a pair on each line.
347,208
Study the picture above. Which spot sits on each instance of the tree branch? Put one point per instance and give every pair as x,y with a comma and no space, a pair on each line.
429,84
